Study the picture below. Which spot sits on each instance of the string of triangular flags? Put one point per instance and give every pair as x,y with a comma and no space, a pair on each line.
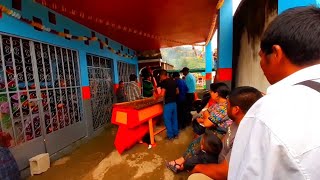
18,16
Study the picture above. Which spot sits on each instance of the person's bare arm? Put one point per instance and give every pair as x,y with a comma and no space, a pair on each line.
177,91
214,171
207,123
207,105
205,120
163,92
200,120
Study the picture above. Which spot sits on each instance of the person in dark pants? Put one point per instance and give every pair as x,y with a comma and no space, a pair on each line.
181,100
169,91
191,84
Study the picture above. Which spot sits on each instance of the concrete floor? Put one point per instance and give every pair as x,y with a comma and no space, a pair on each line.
98,160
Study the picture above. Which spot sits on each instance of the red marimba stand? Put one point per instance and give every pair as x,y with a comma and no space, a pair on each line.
132,118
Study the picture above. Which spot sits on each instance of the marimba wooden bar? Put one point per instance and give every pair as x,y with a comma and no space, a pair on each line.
133,114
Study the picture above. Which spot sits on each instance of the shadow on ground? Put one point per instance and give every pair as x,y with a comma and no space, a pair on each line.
98,160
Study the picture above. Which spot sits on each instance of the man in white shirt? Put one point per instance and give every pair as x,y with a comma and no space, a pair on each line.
279,137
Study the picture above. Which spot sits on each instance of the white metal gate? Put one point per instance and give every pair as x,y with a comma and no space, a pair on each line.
101,87
40,97
125,69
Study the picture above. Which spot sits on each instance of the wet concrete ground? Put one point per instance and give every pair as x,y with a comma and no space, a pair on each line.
98,160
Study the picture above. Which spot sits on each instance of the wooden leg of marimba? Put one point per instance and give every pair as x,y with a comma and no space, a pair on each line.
151,131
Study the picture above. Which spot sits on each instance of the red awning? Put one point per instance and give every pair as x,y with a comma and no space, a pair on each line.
143,24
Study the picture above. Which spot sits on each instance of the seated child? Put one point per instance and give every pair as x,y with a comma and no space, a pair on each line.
211,146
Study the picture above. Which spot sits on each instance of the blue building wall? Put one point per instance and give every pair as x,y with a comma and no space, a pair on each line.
285,4
225,32
225,43
13,26
209,64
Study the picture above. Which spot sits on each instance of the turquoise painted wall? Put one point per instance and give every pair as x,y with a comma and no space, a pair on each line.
225,35
12,26
286,4
209,58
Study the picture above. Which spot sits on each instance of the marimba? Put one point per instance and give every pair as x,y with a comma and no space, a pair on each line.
132,117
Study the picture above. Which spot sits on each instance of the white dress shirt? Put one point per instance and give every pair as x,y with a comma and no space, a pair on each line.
279,137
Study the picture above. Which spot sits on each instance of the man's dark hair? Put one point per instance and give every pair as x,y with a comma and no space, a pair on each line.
146,76
185,69
175,74
133,77
221,88
244,97
120,82
297,32
163,72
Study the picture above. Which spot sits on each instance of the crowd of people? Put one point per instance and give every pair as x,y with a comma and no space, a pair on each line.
220,122
178,95
274,136
242,134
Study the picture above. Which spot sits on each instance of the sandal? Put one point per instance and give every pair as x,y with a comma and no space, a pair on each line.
173,168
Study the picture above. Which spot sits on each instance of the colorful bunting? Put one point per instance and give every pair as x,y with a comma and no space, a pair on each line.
18,16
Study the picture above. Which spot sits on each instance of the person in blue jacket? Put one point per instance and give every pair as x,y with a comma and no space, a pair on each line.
181,100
